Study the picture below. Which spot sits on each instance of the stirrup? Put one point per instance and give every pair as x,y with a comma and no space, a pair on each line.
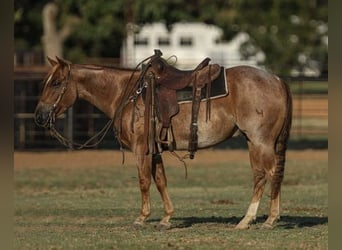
165,140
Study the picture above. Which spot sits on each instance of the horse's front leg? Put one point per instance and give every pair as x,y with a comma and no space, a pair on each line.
158,173
144,163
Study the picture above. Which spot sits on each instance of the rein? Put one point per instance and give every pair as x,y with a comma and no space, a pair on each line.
71,145
130,95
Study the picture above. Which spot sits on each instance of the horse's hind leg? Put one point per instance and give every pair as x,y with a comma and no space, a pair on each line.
262,160
158,173
276,178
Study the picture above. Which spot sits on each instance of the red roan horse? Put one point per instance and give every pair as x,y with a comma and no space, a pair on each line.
258,106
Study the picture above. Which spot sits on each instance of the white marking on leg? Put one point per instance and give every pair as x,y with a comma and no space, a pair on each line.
252,209
249,217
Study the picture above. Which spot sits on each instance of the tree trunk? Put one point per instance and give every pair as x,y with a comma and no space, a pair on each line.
52,38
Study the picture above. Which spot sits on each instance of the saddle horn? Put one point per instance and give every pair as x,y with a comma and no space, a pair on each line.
157,52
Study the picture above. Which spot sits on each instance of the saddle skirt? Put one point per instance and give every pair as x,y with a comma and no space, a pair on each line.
219,88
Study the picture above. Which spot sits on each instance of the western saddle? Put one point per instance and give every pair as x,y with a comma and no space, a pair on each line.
167,81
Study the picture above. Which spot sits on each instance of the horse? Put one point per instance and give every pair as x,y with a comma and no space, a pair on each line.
258,107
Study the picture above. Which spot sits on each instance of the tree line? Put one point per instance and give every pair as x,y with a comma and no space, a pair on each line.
293,34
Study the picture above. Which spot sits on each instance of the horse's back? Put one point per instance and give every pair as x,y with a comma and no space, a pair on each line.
259,80
253,86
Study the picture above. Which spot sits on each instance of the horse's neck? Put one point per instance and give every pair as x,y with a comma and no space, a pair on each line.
102,87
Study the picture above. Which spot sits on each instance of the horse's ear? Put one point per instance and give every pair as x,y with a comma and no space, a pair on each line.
62,61
51,61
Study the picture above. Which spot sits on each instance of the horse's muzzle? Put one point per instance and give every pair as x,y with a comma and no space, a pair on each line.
44,116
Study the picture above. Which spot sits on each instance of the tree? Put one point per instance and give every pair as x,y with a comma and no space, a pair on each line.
293,34
53,38
27,24
100,32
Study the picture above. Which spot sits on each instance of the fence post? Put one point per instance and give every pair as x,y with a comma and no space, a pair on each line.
300,108
70,124
22,125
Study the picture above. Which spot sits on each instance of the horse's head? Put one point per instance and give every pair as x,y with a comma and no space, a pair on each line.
59,93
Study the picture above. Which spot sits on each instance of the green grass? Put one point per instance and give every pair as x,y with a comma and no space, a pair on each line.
59,208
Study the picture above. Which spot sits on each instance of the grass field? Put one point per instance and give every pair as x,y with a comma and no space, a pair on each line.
88,200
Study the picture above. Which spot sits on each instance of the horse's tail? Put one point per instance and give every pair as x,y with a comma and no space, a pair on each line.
282,140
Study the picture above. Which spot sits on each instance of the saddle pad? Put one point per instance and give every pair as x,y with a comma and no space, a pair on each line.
219,89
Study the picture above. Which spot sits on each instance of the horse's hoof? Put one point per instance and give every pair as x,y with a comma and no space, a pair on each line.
163,226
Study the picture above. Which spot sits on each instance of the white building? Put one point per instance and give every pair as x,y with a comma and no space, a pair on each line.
189,42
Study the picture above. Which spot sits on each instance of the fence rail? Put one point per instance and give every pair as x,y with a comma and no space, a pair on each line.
310,112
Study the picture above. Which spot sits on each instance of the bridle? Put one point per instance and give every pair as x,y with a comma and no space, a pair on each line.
61,94
66,142
52,114
130,95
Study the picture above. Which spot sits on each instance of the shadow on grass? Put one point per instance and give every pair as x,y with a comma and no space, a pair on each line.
289,222
286,222
190,221
294,143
